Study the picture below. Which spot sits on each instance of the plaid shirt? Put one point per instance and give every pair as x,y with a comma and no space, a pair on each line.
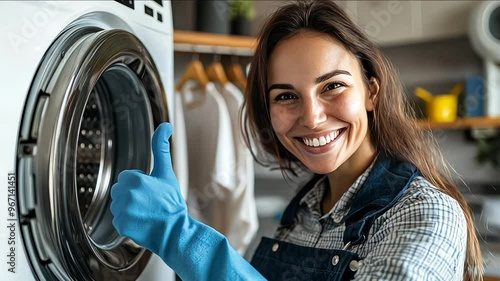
422,237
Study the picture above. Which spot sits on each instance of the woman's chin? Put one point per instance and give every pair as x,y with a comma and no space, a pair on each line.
322,169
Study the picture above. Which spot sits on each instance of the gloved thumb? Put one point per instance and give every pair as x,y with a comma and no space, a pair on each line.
161,151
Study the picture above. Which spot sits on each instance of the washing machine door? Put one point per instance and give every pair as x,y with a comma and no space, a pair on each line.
91,111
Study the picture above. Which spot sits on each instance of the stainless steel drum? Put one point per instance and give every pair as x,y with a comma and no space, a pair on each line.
90,113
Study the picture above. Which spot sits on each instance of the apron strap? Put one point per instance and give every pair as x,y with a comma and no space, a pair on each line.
386,183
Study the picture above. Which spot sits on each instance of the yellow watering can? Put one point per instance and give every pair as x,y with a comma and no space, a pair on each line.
441,108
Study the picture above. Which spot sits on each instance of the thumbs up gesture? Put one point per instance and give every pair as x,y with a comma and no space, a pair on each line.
146,208
150,210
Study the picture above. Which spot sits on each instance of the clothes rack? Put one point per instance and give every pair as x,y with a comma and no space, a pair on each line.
208,49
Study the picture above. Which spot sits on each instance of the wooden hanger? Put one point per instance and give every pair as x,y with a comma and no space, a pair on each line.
216,73
236,75
194,71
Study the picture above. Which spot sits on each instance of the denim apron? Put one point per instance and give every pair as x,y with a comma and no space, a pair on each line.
279,260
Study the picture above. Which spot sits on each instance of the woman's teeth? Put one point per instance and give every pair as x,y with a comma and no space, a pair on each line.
323,140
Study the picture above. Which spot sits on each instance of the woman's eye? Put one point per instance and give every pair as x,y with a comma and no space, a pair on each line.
333,86
284,96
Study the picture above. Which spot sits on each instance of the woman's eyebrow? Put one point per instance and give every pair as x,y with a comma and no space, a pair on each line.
280,86
329,75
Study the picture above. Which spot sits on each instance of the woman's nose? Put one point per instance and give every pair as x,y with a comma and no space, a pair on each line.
313,114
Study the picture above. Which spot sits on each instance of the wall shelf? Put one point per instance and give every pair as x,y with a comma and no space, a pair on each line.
200,42
462,123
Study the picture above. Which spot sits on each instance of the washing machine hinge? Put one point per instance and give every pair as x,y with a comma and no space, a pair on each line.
25,219
27,149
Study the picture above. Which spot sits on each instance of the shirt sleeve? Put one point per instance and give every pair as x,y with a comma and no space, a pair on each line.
423,237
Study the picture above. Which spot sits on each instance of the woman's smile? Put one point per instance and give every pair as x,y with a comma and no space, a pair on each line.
322,139
320,143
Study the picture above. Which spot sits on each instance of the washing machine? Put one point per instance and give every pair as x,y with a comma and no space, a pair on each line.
83,86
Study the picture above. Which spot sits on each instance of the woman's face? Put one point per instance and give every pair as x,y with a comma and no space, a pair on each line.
318,101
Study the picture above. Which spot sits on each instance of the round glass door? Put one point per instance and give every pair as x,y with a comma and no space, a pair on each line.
91,111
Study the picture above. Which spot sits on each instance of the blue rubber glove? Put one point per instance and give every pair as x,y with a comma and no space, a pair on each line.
150,210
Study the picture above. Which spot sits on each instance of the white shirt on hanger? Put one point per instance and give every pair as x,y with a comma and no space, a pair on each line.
210,153
242,213
179,147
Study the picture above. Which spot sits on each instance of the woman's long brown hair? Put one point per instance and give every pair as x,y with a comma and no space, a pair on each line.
392,123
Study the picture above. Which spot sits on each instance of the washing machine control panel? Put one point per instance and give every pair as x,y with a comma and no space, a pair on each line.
148,10
128,3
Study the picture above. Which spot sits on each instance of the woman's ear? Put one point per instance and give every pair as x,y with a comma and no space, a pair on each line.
373,89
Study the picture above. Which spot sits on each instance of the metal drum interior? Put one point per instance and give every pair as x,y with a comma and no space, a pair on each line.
117,109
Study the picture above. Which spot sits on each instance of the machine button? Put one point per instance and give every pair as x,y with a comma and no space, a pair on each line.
148,10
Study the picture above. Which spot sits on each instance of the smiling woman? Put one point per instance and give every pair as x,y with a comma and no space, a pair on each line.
381,199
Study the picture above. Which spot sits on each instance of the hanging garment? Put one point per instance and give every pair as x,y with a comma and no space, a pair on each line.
242,221
193,74
179,147
210,154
